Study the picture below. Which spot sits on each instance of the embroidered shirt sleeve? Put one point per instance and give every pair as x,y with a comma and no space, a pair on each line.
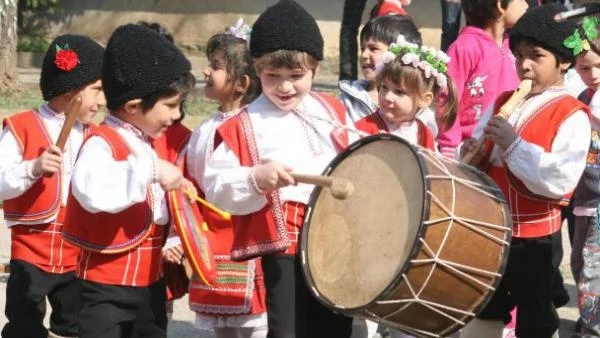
16,175
556,173
100,183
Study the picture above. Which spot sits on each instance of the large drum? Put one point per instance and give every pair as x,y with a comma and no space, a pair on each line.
420,245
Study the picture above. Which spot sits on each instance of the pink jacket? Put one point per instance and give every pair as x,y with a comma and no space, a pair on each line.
481,71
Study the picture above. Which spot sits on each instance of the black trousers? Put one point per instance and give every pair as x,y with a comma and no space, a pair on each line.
292,311
351,19
26,292
451,12
114,311
529,283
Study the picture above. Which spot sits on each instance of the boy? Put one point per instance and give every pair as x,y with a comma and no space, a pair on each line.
287,128
117,212
360,96
34,182
538,156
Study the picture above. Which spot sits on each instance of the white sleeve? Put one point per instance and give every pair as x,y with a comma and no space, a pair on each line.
556,173
229,185
15,173
100,183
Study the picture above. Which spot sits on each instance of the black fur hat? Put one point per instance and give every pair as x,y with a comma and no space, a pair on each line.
537,26
286,25
71,62
139,62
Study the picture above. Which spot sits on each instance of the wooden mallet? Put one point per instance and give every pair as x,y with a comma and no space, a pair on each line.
70,119
340,188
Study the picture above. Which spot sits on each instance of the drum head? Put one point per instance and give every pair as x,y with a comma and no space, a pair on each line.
353,250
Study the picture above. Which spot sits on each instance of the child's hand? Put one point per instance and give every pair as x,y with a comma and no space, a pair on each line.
174,255
169,176
188,186
468,146
500,132
272,175
48,163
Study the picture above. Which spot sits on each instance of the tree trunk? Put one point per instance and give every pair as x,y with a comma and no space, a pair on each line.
8,45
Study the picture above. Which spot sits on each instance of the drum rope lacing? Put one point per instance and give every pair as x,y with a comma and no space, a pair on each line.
458,269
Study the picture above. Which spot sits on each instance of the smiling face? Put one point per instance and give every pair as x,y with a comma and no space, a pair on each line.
154,121
286,87
92,98
218,85
370,56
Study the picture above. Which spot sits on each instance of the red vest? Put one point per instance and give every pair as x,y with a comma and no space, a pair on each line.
169,146
533,215
122,248
373,124
42,200
265,231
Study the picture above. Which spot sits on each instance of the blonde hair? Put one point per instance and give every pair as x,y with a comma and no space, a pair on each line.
414,81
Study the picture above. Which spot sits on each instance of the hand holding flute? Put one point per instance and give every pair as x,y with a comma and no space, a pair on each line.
498,130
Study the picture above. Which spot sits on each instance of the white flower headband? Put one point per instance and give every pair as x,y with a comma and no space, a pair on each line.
240,30
431,61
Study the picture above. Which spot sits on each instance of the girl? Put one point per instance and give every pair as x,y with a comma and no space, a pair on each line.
410,79
481,65
235,305
586,248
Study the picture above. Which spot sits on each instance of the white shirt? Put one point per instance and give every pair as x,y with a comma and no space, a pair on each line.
551,174
300,140
16,174
102,184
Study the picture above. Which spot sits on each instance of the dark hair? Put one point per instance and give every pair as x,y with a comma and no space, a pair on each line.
386,29
414,81
238,61
155,26
479,12
183,86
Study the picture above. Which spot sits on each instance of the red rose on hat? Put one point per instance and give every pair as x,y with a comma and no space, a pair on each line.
66,59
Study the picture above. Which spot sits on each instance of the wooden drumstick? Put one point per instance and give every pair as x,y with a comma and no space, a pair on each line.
224,214
340,188
70,119
509,106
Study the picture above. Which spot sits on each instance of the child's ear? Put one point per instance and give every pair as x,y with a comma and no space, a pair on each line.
242,85
316,71
133,107
499,7
564,66
425,100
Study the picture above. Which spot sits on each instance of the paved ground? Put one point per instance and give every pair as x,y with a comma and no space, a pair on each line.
181,325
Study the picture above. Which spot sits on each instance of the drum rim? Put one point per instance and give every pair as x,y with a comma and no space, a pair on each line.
317,191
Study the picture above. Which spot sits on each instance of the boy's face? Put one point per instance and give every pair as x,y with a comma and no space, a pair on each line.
158,118
92,98
286,87
514,11
370,56
539,65
588,68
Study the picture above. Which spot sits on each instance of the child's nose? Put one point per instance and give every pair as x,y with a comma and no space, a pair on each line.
206,71
286,86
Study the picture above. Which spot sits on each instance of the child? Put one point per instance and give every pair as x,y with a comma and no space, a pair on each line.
481,64
230,309
585,250
117,211
360,97
34,182
410,80
287,128
538,156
